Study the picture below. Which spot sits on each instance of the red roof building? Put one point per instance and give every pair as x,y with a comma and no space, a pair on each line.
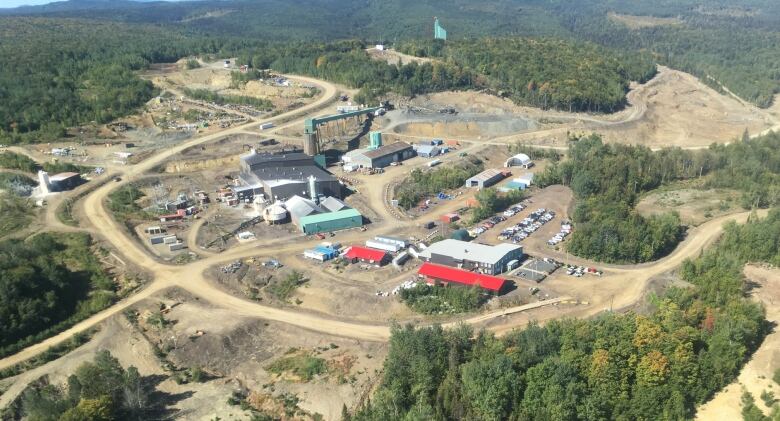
446,274
365,254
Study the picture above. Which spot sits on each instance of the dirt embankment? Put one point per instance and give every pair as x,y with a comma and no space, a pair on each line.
202,164
672,109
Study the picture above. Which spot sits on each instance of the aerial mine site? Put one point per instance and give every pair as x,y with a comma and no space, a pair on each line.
210,212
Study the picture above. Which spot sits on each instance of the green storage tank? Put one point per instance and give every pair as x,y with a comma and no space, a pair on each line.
333,221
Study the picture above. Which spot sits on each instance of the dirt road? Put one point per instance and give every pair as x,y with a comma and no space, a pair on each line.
192,279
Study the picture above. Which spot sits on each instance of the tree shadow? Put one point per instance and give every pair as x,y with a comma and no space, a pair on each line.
160,404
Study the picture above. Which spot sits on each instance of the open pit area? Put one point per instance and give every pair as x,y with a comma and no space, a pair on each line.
672,109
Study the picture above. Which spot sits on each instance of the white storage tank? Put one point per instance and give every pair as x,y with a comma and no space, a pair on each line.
274,214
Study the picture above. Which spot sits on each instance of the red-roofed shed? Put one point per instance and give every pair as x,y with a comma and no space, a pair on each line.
367,255
446,275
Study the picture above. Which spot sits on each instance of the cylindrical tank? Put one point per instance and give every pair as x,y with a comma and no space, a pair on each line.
274,214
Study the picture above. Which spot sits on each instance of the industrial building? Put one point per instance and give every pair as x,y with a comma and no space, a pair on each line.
476,257
444,275
485,179
58,182
321,253
331,221
519,160
428,151
380,157
366,255
282,175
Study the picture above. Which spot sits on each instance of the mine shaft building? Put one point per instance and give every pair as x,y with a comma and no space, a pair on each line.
280,176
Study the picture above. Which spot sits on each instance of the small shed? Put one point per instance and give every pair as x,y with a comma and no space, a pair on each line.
428,151
449,218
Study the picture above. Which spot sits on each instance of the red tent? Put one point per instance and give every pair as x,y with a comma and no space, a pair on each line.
459,276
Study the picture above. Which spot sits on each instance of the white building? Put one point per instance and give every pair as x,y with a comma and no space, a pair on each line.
519,160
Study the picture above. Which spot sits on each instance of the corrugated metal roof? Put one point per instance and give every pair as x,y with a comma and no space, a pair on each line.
332,204
446,273
300,207
387,150
330,216
475,252
487,175
365,253
426,149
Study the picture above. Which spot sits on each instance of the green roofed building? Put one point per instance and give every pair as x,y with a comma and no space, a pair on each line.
332,221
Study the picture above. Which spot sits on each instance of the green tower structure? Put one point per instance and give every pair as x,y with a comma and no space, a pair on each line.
438,31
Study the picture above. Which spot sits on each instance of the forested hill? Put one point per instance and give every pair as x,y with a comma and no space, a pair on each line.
545,73
734,42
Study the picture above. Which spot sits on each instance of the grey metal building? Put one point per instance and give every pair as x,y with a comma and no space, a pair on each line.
383,156
475,257
284,175
485,179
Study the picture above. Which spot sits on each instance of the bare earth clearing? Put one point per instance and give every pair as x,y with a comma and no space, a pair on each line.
673,109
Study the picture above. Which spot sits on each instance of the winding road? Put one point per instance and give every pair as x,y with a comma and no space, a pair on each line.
191,277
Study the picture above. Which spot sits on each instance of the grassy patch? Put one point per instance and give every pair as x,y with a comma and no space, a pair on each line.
15,213
299,364
210,96
122,202
284,289
429,299
15,161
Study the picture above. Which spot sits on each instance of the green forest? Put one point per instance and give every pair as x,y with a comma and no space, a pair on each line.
736,43
608,179
424,184
48,282
545,73
650,366
100,389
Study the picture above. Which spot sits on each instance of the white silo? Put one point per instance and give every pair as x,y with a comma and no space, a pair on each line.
274,214
44,183
313,189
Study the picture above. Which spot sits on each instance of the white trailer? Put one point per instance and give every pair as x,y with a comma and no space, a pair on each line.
434,163
393,248
314,255
391,240
266,126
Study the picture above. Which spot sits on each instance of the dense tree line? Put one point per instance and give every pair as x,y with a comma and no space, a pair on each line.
48,282
656,366
99,390
346,62
58,73
546,73
491,202
737,43
423,184
607,180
